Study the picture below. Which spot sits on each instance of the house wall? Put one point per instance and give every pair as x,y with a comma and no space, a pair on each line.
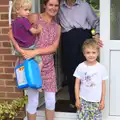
8,90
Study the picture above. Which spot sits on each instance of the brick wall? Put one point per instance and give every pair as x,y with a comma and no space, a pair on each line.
8,90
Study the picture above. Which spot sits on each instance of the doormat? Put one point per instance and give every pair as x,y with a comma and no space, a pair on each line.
64,106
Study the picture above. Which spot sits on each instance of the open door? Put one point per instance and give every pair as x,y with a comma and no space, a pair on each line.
110,55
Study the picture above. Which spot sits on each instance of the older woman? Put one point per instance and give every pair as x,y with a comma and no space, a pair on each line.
46,44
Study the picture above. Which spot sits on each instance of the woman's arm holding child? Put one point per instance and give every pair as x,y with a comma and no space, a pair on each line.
48,50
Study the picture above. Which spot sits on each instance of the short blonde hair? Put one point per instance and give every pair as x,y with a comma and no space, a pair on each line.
90,43
18,3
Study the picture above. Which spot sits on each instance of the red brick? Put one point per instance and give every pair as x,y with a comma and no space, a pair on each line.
3,9
5,51
6,44
2,82
1,70
1,45
1,57
13,64
0,30
5,16
3,23
2,94
5,64
4,2
10,57
5,31
3,37
6,89
17,90
14,95
6,76
10,83
9,70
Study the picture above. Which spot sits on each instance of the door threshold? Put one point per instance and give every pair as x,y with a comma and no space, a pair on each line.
58,116
66,116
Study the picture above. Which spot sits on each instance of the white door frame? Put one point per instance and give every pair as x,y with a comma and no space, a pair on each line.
105,36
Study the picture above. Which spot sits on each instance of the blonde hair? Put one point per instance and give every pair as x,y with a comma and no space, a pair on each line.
90,43
17,4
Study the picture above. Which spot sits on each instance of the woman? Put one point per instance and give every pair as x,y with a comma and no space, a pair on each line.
46,44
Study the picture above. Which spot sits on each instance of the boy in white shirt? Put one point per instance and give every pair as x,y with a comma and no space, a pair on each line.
90,83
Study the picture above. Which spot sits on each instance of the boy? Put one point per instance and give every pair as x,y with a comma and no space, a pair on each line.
90,83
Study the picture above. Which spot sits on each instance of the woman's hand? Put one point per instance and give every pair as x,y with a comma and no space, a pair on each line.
100,43
27,54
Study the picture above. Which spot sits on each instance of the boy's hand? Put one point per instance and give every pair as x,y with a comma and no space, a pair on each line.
77,104
101,107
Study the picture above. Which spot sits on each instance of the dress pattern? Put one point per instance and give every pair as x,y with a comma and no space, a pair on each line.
46,38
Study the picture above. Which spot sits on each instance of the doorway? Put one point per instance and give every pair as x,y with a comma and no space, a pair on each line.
62,94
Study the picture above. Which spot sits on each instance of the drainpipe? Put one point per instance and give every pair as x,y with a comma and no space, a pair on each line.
10,11
10,21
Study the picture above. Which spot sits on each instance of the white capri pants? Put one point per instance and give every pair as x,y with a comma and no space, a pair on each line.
33,100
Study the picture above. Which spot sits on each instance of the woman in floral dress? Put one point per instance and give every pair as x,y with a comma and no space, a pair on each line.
46,45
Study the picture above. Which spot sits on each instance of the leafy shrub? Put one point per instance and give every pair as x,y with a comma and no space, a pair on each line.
10,110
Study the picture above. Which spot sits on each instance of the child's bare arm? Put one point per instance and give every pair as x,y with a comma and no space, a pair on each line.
77,89
103,90
77,93
102,102
36,30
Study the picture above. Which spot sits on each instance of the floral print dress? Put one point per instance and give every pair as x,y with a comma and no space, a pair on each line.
46,38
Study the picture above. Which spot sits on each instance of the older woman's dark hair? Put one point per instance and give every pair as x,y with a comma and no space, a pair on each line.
46,1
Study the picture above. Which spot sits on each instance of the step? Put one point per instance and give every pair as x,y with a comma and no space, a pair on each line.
58,116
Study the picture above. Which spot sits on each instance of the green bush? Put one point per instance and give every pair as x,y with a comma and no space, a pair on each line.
8,111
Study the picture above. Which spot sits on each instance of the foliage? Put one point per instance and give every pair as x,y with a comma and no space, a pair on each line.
10,110
94,3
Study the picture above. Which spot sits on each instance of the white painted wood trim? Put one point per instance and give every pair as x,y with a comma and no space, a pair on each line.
33,6
105,36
